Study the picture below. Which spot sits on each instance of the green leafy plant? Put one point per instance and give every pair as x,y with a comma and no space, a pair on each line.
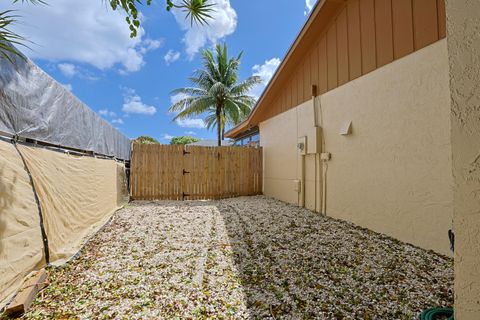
183,140
8,38
216,92
198,11
146,140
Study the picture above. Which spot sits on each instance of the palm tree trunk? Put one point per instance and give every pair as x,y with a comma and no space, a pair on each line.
219,127
219,135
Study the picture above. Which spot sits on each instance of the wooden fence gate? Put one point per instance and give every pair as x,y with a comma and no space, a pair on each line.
175,172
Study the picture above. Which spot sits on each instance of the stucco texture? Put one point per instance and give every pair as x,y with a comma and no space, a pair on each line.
463,36
282,161
392,174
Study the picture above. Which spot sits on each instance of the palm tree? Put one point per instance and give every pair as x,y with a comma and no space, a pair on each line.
216,92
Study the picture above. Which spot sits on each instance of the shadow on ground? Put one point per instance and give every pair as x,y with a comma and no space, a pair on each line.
297,264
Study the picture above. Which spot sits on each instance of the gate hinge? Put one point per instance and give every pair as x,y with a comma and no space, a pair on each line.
186,152
185,195
184,172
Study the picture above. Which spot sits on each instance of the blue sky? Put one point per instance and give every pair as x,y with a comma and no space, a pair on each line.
86,47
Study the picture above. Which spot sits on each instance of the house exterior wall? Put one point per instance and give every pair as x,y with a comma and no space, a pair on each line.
282,162
464,61
392,174
360,36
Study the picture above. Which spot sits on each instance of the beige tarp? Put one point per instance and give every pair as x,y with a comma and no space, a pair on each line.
21,247
77,195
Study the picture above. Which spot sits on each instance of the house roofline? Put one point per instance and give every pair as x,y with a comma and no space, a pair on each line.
246,124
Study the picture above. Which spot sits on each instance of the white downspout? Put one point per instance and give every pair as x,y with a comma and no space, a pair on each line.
321,158
317,163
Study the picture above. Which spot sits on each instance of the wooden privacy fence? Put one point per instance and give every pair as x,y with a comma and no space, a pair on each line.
173,172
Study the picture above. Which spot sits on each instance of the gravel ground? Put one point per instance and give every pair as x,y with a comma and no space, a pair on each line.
250,257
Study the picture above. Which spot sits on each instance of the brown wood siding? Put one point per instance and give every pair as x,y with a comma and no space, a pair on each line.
402,28
332,65
342,48
300,84
354,40
322,66
425,22
384,31
288,90
314,66
442,19
307,82
294,90
367,36
360,36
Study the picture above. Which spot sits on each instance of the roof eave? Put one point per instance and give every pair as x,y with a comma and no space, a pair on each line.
233,132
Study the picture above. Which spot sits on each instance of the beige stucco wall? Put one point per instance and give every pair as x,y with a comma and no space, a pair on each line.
393,173
282,162
464,59
278,136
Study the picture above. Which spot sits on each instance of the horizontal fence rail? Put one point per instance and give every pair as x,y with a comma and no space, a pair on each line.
173,172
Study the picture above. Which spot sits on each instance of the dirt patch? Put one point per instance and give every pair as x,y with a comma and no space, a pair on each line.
250,257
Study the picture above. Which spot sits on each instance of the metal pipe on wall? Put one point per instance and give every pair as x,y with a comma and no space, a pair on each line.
320,163
302,182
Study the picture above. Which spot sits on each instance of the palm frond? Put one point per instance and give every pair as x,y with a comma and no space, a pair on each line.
31,1
194,107
198,11
246,85
192,92
232,109
218,90
210,120
8,38
181,105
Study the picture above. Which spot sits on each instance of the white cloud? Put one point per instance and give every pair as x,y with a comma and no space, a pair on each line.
68,86
222,24
309,6
86,31
177,97
117,121
265,72
171,57
70,70
132,103
190,133
67,69
166,136
151,44
191,123
106,112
